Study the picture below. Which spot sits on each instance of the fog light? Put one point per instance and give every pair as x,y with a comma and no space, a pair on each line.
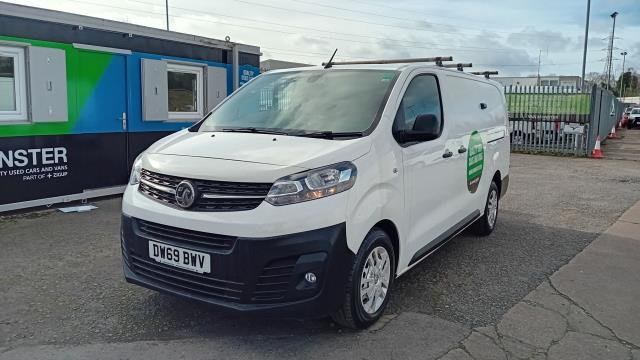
310,278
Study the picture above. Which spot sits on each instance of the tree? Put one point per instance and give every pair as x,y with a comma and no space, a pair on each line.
596,78
630,83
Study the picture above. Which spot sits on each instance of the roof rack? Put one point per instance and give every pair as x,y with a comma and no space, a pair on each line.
459,66
438,60
485,73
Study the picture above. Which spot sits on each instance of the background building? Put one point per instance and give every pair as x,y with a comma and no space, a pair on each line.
631,100
83,96
552,80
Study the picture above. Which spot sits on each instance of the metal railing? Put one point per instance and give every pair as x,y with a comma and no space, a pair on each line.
559,119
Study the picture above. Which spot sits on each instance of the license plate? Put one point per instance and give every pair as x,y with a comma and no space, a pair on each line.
179,257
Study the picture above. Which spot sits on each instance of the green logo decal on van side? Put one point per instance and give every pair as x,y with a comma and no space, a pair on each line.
475,161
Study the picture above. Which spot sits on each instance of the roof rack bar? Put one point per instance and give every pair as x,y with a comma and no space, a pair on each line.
485,73
459,66
438,60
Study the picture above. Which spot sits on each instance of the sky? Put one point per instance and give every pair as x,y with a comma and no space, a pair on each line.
503,35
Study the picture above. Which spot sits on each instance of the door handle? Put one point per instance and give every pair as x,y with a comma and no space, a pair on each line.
124,120
462,149
447,154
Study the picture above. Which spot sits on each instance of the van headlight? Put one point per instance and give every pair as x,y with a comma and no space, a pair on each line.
313,184
134,179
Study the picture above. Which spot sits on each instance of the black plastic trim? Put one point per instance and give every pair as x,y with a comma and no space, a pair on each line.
445,237
258,275
504,186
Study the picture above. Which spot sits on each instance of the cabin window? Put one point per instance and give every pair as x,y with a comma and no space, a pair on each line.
13,89
422,97
185,91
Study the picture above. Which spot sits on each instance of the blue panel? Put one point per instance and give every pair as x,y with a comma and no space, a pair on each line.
116,92
247,72
102,111
135,93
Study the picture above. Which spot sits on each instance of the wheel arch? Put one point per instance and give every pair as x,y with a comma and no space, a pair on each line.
497,178
391,229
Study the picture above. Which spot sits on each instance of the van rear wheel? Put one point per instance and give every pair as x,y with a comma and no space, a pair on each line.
487,222
369,283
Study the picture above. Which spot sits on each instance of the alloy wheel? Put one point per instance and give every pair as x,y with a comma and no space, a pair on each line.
374,281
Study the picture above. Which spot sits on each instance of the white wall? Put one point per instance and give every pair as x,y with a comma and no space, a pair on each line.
516,81
631,100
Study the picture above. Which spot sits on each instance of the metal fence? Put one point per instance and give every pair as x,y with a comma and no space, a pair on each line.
559,119
607,111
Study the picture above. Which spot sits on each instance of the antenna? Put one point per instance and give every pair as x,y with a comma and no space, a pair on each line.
485,73
459,66
330,63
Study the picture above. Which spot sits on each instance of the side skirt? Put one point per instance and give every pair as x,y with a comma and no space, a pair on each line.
444,238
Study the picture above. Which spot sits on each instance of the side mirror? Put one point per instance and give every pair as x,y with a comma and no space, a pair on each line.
425,128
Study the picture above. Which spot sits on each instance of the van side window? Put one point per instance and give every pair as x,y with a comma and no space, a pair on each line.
422,97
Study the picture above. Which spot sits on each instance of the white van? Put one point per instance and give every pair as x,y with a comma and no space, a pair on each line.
308,191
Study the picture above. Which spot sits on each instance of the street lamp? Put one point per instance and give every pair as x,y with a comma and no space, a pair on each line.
586,41
624,57
613,34
166,7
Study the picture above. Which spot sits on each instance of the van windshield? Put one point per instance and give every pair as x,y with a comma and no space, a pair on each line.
306,102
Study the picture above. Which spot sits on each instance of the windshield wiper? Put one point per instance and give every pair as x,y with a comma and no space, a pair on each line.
332,135
255,131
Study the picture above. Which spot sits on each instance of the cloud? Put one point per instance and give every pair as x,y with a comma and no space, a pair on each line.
509,61
633,60
443,27
546,40
426,25
315,43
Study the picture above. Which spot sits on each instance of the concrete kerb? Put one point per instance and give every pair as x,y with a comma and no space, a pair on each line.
589,306
632,215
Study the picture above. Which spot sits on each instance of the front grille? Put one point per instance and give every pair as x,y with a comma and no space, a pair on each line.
273,283
200,240
238,204
213,195
185,280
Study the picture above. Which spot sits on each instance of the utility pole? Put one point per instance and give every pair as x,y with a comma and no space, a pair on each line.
586,41
624,57
166,6
610,57
539,62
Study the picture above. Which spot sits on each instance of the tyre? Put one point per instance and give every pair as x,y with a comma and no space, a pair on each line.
369,283
485,224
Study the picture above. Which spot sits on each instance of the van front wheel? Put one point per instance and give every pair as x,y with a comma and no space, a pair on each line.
487,222
369,283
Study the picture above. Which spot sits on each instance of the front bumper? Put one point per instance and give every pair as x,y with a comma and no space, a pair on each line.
256,275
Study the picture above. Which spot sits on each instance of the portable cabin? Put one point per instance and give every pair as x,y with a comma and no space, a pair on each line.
81,97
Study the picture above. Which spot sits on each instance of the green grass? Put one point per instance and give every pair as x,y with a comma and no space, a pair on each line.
549,104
